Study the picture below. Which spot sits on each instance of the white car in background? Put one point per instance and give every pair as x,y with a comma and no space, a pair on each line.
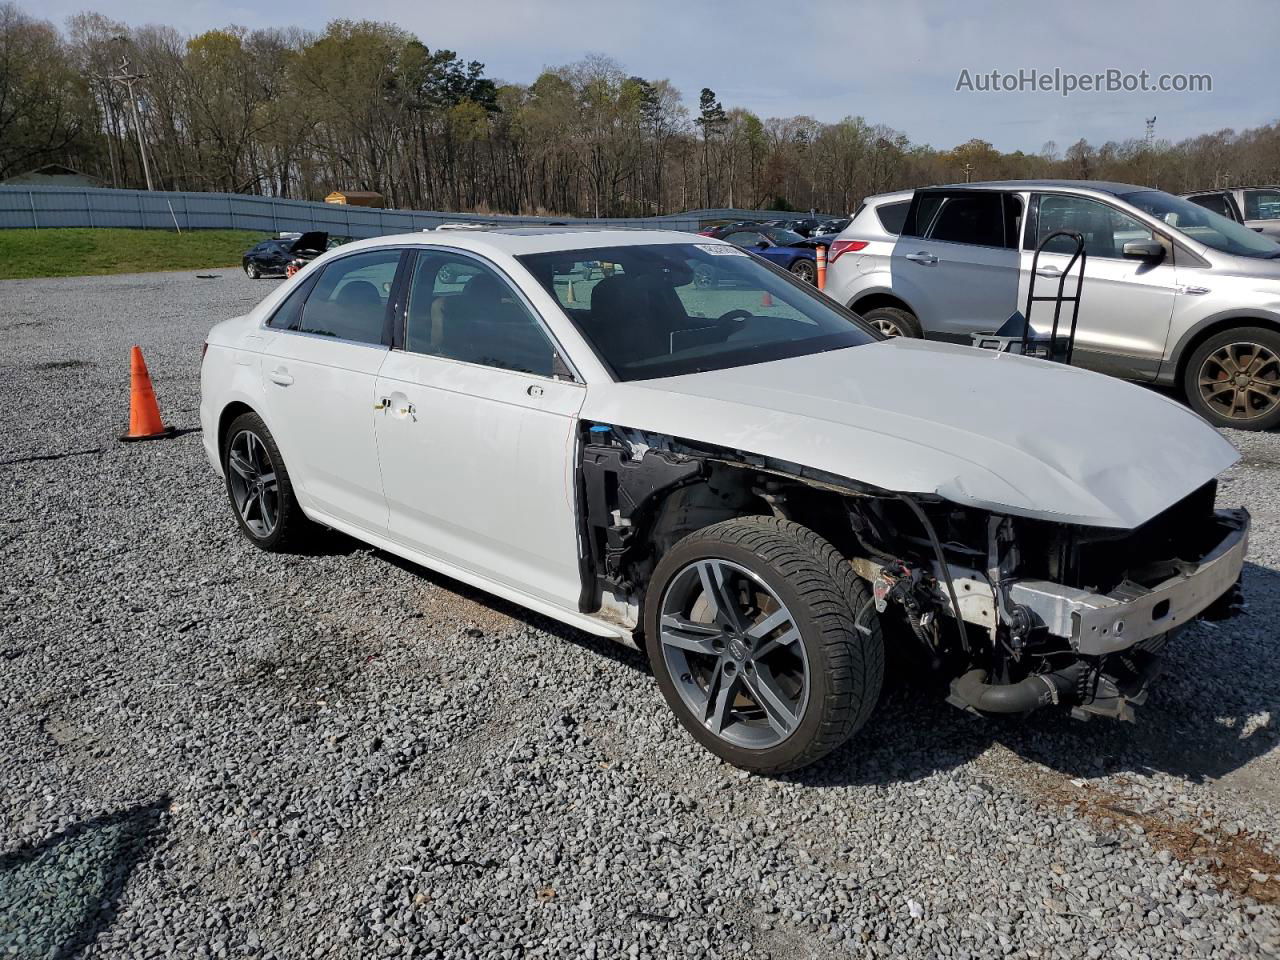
745,475
1173,294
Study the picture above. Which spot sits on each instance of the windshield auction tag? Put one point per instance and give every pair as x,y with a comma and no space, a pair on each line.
720,249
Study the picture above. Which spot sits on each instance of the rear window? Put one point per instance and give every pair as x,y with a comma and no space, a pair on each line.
893,215
662,310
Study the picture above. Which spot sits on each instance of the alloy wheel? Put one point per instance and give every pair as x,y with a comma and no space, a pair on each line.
254,488
1240,381
887,327
735,653
805,271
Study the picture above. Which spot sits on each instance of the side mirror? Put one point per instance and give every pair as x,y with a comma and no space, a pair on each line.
762,244
1144,250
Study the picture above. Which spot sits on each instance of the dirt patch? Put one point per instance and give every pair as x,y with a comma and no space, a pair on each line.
63,365
1237,862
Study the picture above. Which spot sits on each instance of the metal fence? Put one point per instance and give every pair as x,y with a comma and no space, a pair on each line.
41,207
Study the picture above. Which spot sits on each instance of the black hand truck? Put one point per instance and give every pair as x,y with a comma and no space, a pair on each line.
1016,335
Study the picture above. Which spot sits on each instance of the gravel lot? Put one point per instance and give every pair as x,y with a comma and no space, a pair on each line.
209,751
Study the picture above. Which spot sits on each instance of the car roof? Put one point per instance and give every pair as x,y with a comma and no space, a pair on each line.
518,241
1099,186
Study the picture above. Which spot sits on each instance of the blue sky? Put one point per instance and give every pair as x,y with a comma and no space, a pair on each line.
890,62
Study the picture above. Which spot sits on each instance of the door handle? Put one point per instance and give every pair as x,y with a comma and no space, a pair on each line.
1049,271
922,257
1194,291
281,376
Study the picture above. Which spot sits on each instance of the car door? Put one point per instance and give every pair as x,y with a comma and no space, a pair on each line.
1262,210
956,261
477,435
1125,303
320,374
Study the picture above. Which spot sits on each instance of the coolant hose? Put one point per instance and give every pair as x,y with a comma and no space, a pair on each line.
1037,690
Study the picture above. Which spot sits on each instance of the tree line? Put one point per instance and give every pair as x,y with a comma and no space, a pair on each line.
368,106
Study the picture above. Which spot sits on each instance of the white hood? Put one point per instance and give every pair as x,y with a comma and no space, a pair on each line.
983,429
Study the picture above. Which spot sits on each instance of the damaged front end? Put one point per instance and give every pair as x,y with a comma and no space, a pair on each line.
1017,613
1060,614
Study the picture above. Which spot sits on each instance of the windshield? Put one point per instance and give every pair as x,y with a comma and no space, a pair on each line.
661,310
1209,228
782,237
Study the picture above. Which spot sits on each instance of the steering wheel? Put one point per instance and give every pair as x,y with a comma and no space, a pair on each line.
735,315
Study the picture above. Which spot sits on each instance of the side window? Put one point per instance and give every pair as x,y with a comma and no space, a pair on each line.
461,309
349,301
1262,204
744,238
975,218
289,312
1216,202
1106,230
893,215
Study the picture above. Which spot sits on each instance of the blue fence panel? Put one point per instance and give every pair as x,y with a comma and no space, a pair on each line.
41,207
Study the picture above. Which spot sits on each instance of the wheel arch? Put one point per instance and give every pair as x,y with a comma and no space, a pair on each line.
228,415
1209,327
634,509
880,298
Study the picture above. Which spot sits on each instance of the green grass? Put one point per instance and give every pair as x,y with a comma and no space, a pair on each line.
76,251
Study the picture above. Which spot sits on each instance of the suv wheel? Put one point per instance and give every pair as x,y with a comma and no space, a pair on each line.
751,628
258,485
893,321
1233,379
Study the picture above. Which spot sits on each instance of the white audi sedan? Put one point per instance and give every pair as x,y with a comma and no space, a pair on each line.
659,437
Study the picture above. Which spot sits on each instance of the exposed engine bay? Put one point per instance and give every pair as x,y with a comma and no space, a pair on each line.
1016,613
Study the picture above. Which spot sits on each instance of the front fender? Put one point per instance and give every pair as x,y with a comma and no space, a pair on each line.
1251,316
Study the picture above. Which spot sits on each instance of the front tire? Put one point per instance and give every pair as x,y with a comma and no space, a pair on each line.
259,487
893,321
252,272
1233,379
750,625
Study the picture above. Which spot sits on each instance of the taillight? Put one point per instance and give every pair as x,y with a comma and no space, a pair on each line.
839,247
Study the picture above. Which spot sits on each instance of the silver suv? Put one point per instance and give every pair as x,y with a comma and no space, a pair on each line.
1173,294
1258,208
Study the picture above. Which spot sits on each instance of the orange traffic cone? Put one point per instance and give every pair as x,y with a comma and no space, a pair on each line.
144,412
766,299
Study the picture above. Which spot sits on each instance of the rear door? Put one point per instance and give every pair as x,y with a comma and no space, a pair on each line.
956,261
319,375
1126,304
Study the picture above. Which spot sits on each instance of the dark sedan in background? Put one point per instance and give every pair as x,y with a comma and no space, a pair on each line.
271,257
786,248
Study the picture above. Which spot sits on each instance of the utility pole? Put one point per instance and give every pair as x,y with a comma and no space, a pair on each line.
127,80
968,171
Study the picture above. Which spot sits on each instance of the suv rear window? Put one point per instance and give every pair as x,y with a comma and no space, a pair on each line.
893,215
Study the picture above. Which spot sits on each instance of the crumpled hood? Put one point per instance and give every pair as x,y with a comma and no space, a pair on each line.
983,429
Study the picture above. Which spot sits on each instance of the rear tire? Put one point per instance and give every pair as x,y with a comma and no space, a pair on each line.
801,676
805,270
1233,379
252,272
893,321
259,487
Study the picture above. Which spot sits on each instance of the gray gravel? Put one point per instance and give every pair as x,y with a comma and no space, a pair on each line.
207,751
